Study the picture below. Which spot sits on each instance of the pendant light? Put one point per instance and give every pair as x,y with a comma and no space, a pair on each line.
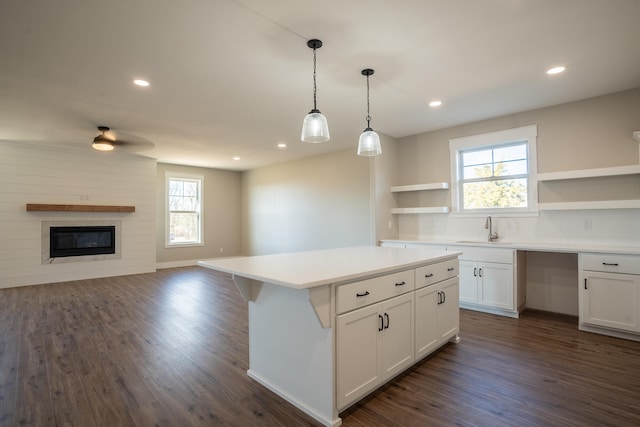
369,144
315,127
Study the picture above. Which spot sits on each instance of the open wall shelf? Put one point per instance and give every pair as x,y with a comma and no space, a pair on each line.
600,204
437,209
420,187
590,173
616,171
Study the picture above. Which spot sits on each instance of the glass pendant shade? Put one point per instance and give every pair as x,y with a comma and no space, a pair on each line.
315,127
369,144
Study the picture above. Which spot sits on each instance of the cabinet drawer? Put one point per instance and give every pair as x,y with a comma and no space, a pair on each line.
436,272
369,291
612,263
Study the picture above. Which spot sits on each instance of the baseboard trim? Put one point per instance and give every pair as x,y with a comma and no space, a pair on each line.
174,264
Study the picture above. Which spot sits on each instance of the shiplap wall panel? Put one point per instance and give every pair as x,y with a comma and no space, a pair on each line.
33,173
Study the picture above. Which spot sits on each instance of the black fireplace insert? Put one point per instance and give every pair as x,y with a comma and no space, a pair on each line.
79,241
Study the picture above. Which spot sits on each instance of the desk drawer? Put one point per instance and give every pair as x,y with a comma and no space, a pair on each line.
612,263
359,294
436,272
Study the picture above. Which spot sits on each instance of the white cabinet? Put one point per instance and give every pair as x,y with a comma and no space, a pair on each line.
374,344
437,315
609,298
487,284
437,311
488,280
384,324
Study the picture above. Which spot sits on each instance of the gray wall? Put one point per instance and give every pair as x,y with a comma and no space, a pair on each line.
592,133
314,203
222,212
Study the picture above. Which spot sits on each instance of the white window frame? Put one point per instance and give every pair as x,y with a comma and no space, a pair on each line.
528,134
186,177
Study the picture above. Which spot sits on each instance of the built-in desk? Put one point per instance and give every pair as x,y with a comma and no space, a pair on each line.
600,284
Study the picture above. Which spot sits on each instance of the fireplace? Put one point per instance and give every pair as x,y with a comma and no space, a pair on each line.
81,241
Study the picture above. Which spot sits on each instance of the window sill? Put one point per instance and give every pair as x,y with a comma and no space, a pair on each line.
182,245
495,214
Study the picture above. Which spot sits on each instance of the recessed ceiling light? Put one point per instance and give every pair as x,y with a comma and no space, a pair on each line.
140,82
282,145
236,158
556,70
435,103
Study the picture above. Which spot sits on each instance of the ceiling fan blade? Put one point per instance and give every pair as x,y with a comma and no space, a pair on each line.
132,143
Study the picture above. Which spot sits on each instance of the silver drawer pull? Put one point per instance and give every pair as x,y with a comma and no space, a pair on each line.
610,264
362,295
428,275
401,283
451,268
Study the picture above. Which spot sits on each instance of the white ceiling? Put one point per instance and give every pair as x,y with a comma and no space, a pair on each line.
234,77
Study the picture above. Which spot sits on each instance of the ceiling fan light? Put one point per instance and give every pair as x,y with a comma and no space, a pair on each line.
369,143
315,128
101,143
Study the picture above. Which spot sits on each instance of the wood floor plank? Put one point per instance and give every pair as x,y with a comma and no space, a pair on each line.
9,356
171,348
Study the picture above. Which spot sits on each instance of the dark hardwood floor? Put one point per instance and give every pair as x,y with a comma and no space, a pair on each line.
170,349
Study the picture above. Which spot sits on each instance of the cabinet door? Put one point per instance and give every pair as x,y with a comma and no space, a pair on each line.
468,281
397,336
427,335
610,300
448,310
359,360
496,285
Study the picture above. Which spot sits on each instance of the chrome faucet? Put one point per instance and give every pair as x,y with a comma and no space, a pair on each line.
488,226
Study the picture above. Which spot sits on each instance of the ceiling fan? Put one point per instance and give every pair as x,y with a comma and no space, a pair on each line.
107,141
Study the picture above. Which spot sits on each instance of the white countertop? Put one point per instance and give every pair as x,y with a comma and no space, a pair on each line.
302,270
530,246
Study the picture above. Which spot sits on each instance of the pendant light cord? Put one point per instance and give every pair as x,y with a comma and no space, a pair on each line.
314,80
368,115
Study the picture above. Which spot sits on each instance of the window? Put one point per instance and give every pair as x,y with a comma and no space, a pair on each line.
495,172
184,209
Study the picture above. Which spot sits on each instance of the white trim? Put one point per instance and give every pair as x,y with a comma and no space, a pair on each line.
182,245
493,138
525,133
174,264
168,175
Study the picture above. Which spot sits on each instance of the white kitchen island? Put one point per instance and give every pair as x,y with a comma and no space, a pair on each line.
327,327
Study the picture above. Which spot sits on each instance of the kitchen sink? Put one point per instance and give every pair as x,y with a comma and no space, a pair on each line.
482,242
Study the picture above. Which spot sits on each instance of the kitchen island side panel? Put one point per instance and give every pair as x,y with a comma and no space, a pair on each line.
289,351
